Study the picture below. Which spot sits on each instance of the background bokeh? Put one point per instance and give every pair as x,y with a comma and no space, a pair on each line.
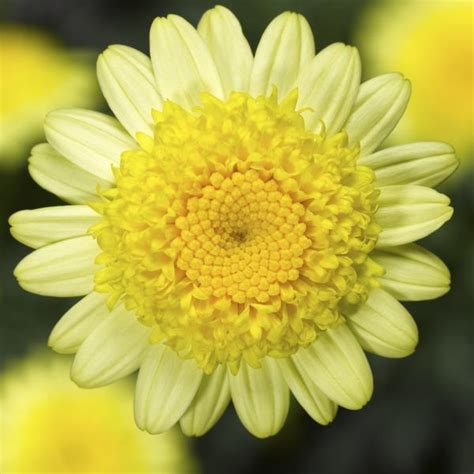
421,417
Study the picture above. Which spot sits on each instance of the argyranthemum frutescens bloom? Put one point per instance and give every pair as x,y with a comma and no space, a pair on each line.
50,425
37,75
235,234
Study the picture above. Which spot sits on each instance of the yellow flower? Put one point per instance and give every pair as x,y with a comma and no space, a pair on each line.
50,425
432,43
36,76
235,234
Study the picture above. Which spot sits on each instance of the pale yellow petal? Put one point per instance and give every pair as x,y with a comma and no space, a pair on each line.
423,163
286,46
182,63
166,386
208,405
408,213
59,176
78,323
260,397
309,396
43,226
379,106
127,82
412,273
383,326
114,350
91,140
64,268
339,367
329,86
229,48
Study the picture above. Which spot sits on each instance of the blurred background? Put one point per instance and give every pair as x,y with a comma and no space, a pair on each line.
421,417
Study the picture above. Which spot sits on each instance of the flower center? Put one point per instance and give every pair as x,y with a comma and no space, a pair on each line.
235,233
243,239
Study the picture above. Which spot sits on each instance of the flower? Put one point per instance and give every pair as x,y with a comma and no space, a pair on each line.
235,233
50,425
61,79
431,41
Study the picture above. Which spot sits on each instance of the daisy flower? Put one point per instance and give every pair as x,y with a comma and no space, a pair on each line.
430,41
50,425
234,232
61,79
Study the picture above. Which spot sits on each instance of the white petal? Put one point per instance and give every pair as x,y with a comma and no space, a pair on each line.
408,213
423,163
309,396
260,397
208,405
329,85
78,323
64,268
412,273
286,46
47,225
229,48
338,366
91,140
59,176
383,326
127,82
114,350
378,108
181,61
166,386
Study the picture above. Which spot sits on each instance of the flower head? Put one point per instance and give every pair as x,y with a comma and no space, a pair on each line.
246,238
61,79
236,235
49,425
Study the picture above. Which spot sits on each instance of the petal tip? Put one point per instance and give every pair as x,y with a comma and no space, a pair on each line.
82,378
18,270
328,416
12,219
78,377
449,212
158,22
54,343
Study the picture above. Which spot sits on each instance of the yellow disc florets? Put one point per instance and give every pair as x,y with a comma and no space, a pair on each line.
243,239
235,233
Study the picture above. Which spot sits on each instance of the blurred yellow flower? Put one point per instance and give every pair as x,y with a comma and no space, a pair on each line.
36,75
432,43
50,425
